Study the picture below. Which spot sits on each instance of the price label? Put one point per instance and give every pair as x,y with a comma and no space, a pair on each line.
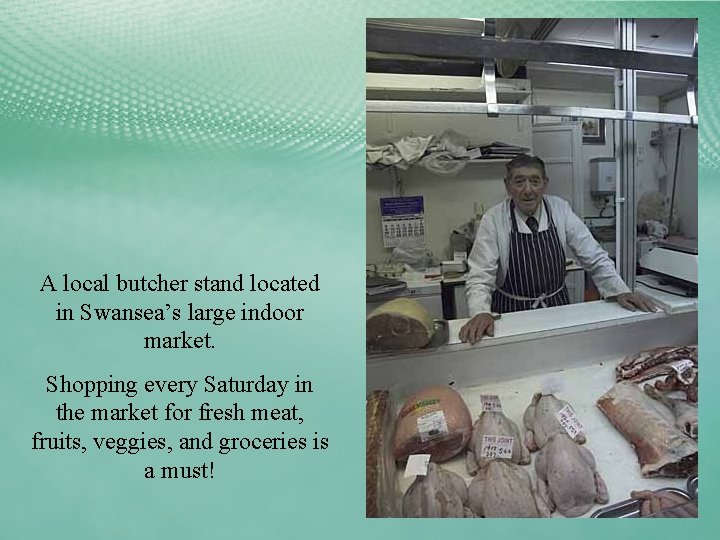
431,426
551,385
570,422
681,367
417,465
497,446
491,403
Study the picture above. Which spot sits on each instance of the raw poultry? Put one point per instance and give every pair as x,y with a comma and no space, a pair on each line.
504,489
541,421
567,478
494,423
439,494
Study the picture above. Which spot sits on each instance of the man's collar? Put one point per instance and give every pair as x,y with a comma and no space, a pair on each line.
537,214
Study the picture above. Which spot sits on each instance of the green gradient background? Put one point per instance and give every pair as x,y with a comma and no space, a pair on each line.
213,138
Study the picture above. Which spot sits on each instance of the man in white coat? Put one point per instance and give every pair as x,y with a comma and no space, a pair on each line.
517,262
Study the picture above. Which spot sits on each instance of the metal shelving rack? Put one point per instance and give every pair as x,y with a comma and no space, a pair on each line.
406,48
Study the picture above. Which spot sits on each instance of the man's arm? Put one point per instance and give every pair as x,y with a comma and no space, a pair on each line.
600,266
483,263
593,258
480,283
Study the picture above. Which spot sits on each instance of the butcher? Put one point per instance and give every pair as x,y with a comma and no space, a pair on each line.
517,262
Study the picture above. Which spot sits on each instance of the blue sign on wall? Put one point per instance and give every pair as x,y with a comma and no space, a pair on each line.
402,206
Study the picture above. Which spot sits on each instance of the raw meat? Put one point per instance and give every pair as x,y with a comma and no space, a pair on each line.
439,494
433,421
503,489
654,362
494,423
402,323
663,450
673,382
379,493
567,478
541,421
685,413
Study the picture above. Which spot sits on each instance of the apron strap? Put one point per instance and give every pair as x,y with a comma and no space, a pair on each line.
513,219
539,301
551,222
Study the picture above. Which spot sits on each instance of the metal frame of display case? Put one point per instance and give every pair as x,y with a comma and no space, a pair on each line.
625,98
443,51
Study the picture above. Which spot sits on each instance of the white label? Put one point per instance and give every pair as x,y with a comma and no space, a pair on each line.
417,465
569,421
491,403
459,256
474,153
551,385
497,446
431,426
680,367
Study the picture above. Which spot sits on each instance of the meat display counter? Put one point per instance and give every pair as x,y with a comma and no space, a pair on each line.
571,351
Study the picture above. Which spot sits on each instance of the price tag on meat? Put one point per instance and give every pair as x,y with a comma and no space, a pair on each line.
431,426
417,465
551,386
491,403
569,421
681,367
497,446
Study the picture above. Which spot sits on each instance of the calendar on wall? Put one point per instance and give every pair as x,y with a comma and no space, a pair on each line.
403,221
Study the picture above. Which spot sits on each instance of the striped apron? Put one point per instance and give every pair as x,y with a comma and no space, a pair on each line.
536,270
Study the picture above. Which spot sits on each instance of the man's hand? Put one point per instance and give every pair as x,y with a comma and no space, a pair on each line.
670,504
635,301
474,329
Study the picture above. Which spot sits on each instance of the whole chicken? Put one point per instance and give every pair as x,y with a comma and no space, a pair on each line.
494,423
567,478
439,494
541,421
503,489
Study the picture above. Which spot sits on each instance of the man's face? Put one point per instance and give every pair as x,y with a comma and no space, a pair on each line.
526,186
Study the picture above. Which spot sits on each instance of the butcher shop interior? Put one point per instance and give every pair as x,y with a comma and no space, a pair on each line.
532,268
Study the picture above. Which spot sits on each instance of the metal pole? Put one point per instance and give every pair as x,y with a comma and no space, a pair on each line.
692,80
625,233
677,160
474,107
469,46
489,74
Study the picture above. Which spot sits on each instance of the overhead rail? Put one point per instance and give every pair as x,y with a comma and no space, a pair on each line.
391,45
441,44
445,107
